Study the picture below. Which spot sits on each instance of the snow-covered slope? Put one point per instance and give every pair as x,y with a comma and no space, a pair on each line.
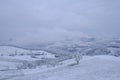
90,68
7,50
19,58
15,51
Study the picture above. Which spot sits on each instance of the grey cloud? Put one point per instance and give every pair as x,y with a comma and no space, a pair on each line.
22,18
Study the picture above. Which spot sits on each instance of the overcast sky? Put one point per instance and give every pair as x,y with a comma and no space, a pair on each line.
52,19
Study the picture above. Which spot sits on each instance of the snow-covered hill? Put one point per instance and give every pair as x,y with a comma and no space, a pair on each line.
15,51
25,63
90,68
9,50
19,58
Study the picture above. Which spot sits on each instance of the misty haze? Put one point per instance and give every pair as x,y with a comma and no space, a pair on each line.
59,40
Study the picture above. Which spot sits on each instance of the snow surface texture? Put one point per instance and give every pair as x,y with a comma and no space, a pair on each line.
90,68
